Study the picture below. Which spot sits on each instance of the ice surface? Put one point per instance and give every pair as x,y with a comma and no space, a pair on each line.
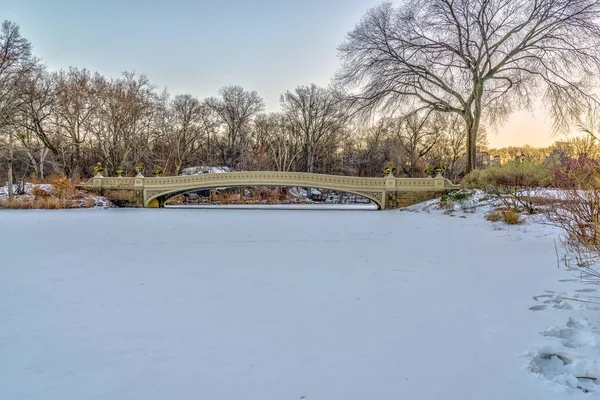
287,304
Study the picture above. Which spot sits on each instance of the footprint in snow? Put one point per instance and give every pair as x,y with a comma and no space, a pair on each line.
573,337
569,301
538,308
576,367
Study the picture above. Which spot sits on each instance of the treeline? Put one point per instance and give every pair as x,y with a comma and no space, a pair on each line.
558,153
67,121
425,78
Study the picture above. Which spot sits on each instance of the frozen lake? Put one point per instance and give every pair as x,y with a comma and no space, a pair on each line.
263,304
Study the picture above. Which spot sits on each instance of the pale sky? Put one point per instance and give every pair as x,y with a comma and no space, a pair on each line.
198,46
525,127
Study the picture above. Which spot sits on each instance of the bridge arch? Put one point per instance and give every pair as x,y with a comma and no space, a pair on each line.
156,198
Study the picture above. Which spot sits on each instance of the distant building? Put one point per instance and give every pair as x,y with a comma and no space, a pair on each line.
496,161
482,159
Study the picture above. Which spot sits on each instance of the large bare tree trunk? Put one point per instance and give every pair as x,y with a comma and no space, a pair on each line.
77,168
43,154
473,121
10,166
471,148
178,165
310,160
33,162
309,165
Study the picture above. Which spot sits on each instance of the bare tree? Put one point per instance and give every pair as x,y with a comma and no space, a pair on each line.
190,127
479,59
282,139
78,96
451,148
37,131
122,124
374,147
417,134
16,62
236,108
317,113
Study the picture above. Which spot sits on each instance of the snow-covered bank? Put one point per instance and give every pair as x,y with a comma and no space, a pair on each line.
30,192
216,304
204,170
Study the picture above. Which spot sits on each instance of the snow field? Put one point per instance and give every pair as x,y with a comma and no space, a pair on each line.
286,304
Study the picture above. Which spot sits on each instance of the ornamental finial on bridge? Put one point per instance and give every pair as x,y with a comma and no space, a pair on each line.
98,169
139,169
390,169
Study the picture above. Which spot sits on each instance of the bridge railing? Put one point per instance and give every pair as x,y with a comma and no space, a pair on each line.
99,181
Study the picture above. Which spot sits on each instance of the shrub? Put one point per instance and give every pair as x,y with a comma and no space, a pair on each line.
21,204
577,213
465,200
50,203
43,203
507,215
89,203
460,196
446,203
63,187
494,216
514,184
573,173
511,175
39,192
62,194
521,200
511,217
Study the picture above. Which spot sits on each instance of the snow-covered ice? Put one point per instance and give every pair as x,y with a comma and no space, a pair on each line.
287,304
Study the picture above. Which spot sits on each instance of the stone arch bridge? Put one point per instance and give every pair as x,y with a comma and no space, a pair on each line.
387,192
